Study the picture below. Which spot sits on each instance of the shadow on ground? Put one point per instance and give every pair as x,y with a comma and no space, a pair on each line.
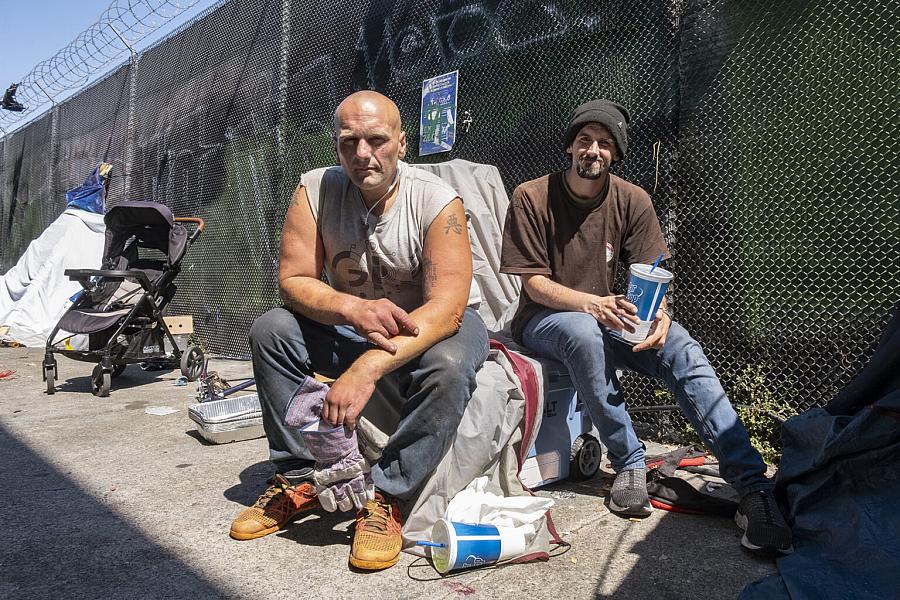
664,556
133,376
253,482
316,528
673,569
598,485
63,543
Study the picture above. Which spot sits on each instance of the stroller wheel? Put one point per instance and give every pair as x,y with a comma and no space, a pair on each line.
101,381
50,378
192,361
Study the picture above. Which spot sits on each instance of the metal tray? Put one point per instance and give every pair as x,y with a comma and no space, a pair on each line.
228,420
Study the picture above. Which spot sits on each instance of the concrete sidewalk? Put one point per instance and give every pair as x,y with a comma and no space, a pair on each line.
101,500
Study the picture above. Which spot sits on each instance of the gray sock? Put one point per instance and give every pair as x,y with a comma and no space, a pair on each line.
298,476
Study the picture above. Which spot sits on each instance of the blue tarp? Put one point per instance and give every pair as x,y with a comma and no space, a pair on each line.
839,479
91,195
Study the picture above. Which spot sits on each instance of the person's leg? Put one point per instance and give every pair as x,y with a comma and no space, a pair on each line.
580,343
683,366
577,341
286,348
436,387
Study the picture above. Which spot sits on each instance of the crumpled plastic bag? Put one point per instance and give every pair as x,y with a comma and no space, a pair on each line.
477,506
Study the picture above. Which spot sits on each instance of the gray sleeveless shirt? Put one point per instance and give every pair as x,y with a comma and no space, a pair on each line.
377,257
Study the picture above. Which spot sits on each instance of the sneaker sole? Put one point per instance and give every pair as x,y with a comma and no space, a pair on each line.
252,536
373,565
639,511
741,521
236,535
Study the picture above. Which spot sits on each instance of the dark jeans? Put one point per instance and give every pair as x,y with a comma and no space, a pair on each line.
433,390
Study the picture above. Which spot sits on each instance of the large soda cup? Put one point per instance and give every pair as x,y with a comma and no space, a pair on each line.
463,546
646,291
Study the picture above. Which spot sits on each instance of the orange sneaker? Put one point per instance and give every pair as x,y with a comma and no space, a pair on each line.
377,540
280,503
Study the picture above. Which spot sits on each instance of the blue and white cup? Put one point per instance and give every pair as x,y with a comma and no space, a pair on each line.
464,546
645,291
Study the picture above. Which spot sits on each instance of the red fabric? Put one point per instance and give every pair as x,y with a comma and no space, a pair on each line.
672,508
528,380
696,461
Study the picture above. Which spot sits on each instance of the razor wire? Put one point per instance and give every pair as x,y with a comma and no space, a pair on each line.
122,25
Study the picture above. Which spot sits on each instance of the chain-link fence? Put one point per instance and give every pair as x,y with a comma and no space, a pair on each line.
764,131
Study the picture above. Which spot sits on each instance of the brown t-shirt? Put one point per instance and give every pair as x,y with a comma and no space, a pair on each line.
548,233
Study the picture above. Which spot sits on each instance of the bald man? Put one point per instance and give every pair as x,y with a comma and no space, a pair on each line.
396,313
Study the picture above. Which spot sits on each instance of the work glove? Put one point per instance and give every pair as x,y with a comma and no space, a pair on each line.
341,474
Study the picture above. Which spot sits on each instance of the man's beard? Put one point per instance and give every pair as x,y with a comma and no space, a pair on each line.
587,173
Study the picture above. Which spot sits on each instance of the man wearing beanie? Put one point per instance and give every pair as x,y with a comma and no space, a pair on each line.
565,234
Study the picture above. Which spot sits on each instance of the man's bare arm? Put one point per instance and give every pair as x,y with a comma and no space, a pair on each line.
447,278
300,267
609,310
302,260
446,281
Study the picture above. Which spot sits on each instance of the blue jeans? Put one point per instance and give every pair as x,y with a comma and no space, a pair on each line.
434,389
592,356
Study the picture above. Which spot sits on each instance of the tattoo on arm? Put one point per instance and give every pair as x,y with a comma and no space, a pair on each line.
454,225
429,276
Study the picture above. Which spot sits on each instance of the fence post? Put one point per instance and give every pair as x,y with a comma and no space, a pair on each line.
283,81
132,97
48,209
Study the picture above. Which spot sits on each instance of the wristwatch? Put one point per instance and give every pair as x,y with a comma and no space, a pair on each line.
668,310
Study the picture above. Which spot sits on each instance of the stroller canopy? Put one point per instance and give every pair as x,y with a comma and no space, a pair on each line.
152,226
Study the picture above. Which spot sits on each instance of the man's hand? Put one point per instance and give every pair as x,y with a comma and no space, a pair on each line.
659,329
380,320
615,312
348,395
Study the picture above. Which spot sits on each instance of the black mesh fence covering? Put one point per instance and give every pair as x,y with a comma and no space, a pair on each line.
765,132
788,205
206,143
26,179
92,127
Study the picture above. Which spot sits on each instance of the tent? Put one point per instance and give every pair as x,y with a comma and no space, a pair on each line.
35,293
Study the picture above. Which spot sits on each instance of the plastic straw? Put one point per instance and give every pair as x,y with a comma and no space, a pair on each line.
656,262
431,544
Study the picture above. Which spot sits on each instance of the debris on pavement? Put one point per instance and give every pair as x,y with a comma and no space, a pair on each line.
160,411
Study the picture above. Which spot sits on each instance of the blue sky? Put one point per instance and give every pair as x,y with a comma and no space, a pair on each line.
34,30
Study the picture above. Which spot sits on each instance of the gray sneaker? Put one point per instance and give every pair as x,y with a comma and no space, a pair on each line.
765,530
629,494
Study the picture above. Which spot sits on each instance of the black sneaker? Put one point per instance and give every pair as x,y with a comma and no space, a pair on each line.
765,530
629,494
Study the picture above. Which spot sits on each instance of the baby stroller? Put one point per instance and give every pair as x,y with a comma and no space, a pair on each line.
120,308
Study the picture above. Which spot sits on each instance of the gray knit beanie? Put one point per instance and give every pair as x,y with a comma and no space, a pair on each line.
610,114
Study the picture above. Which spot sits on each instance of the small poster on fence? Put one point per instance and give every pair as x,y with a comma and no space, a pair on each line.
437,131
